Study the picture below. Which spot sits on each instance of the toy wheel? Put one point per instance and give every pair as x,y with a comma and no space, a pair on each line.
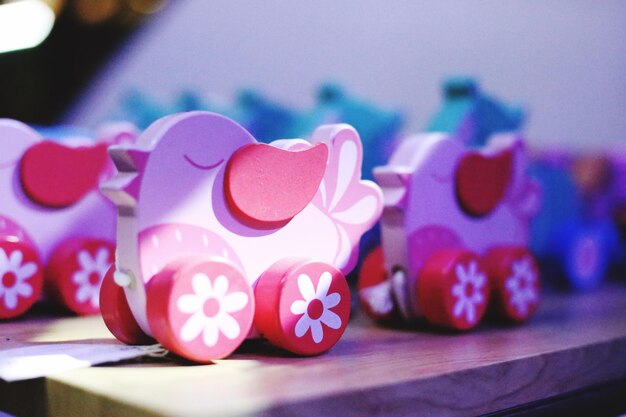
200,308
374,288
302,306
21,278
117,314
452,290
75,273
515,286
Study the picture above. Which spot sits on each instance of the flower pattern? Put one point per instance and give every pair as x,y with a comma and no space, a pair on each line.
210,307
521,286
13,277
315,307
89,277
470,280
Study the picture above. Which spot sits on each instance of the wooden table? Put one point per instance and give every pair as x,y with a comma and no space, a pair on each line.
574,342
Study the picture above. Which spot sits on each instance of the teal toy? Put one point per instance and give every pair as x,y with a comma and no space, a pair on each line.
265,119
471,115
139,109
142,110
378,128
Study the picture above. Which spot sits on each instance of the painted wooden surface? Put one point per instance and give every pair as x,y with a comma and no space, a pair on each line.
53,217
198,184
573,342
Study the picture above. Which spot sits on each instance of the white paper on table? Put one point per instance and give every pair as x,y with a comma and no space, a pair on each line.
39,360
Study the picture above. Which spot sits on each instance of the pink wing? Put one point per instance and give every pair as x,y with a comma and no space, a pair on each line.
353,204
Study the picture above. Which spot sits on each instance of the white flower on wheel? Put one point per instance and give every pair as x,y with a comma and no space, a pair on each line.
315,307
89,277
210,307
467,291
13,276
521,285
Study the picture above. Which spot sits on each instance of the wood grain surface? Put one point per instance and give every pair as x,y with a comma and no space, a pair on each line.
575,341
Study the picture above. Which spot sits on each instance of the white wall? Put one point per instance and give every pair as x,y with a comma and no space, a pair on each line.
564,60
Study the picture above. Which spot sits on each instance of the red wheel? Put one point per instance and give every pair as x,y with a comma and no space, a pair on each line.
302,306
452,289
374,288
21,278
201,309
75,272
514,277
117,315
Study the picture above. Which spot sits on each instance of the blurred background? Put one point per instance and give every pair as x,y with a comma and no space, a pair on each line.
563,62
50,51
554,70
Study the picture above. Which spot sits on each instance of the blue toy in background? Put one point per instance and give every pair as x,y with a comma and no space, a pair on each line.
142,110
471,115
571,236
378,128
265,119
619,190
139,109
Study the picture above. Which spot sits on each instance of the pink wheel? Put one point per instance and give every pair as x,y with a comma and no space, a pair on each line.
75,272
452,289
515,285
117,314
302,306
200,308
21,278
